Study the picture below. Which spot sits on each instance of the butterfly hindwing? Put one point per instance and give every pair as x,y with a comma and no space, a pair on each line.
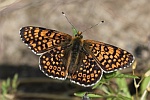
87,72
54,63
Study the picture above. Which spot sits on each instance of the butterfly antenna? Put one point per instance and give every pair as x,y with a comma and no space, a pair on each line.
74,29
93,26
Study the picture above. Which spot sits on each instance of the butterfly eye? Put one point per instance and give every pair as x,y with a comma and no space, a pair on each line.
81,36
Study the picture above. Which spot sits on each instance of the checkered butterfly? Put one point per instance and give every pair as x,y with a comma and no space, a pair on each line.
82,61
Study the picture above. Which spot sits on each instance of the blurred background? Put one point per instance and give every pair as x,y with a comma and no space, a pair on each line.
127,24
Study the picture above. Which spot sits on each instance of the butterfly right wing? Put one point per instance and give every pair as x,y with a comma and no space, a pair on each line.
87,71
40,40
109,57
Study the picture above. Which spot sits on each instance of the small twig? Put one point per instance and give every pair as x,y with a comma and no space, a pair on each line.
146,91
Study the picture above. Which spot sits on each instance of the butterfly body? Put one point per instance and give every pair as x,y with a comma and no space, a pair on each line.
75,48
82,61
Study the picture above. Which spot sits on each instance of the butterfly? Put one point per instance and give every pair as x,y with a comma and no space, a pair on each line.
64,56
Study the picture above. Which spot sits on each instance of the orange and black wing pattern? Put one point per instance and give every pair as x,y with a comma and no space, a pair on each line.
88,72
40,40
53,63
109,57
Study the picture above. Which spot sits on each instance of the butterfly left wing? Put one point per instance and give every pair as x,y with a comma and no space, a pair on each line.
40,40
109,57
53,63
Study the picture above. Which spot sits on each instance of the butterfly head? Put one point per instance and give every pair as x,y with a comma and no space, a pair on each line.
77,33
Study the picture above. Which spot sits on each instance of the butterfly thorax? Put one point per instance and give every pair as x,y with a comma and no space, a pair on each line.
76,46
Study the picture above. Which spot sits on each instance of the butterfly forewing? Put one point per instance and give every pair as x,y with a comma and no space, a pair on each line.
87,72
54,63
41,39
109,57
